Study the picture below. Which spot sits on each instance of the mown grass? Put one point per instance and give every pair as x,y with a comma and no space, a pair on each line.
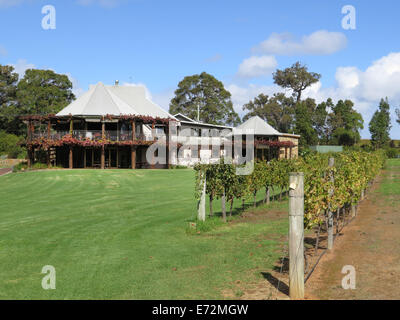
123,234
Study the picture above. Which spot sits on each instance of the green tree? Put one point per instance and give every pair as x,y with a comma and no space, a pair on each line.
398,115
41,92
8,90
304,122
205,93
379,126
345,124
297,77
277,110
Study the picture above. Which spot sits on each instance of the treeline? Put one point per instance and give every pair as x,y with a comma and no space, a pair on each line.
352,172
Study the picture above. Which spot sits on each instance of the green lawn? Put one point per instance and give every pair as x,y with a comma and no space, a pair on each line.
123,234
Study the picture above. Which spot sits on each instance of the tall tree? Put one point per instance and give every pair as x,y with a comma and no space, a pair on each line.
204,93
379,125
345,124
277,110
42,92
297,77
304,122
398,115
8,89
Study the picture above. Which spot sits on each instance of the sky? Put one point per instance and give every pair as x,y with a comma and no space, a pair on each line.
156,43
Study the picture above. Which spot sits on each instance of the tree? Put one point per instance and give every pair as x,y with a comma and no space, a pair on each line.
42,92
8,89
345,124
304,122
379,125
205,93
277,110
296,78
398,115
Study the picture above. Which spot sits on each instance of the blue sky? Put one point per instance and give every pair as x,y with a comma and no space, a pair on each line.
157,43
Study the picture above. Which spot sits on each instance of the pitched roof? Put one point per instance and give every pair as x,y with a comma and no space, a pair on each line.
260,127
103,100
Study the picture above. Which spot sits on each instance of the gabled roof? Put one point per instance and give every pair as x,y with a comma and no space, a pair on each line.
181,116
260,127
103,100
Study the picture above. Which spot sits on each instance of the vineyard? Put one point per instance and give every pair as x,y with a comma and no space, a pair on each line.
325,187
334,184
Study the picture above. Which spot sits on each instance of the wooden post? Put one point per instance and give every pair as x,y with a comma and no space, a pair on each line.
71,158
103,130
133,157
133,125
296,235
48,129
29,157
102,157
330,213
71,127
201,214
353,210
48,158
84,157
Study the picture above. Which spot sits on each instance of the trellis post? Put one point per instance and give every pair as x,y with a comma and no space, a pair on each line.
296,235
330,213
202,203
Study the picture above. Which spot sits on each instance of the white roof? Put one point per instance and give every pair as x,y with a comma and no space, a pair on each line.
260,127
103,100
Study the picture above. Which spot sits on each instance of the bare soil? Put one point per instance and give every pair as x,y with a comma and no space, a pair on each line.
369,243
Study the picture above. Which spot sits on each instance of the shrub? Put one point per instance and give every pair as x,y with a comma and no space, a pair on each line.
392,153
9,145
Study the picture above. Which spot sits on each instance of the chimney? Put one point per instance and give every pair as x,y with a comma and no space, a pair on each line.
116,82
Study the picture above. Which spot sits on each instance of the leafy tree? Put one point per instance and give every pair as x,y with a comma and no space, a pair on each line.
296,78
44,92
206,93
8,89
304,122
379,125
398,115
345,124
277,110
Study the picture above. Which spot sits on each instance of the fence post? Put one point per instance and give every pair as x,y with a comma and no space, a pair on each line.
201,215
296,235
330,213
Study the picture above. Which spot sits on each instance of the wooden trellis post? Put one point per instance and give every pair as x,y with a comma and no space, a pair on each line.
330,213
296,235
202,203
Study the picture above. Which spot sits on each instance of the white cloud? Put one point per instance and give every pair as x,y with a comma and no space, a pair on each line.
320,42
257,66
21,66
242,95
364,87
